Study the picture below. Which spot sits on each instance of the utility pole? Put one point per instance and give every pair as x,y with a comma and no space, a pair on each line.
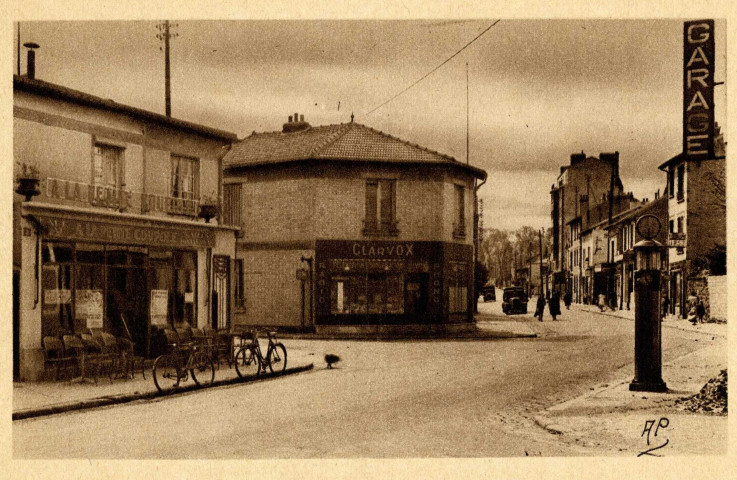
540,238
165,34
18,48
467,115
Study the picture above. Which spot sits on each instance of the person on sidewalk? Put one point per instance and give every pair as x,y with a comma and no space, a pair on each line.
540,307
666,306
567,298
700,310
554,305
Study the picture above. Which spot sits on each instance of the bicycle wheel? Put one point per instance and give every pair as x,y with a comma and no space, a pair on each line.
166,374
277,359
246,362
203,370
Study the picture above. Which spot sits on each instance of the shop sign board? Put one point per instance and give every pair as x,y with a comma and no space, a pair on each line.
149,235
89,307
698,89
159,306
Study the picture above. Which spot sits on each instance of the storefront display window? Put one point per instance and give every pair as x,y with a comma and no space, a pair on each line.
458,288
92,286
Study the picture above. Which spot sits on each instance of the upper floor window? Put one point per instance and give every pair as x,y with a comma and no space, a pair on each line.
107,166
680,224
184,177
232,202
381,207
681,173
459,226
671,183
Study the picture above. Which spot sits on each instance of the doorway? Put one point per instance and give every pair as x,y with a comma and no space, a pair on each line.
415,297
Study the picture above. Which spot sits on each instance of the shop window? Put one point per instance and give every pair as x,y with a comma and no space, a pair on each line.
681,174
458,288
107,166
380,215
361,294
184,290
56,289
184,177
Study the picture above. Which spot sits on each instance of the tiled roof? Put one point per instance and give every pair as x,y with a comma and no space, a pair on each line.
341,142
53,90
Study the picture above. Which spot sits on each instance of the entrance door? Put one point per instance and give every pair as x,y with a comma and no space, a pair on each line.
128,303
415,297
16,325
221,291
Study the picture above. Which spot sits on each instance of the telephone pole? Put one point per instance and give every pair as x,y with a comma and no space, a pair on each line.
165,35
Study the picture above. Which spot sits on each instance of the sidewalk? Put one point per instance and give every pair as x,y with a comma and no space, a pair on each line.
610,419
33,399
671,321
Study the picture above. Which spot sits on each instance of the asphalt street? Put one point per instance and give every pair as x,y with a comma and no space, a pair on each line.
435,398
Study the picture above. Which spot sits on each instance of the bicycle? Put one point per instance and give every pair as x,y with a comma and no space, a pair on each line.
175,367
249,356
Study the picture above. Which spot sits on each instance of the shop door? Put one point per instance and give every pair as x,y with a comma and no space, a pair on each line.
415,296
16,325
221,291
128,302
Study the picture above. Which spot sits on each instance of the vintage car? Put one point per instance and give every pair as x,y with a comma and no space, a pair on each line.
489,293
514,300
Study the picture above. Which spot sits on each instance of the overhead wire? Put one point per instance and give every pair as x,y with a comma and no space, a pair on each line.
436,68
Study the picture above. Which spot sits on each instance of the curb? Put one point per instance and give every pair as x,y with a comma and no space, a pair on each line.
128,397
384,338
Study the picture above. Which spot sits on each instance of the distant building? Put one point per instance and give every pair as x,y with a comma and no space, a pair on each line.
624,232
346,227
107,228
697,224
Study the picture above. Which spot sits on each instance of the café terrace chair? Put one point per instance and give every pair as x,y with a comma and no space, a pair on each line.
77,351
97,355
130,362
55,356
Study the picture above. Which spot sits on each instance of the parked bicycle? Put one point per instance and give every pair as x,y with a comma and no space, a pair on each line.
175,367
249,359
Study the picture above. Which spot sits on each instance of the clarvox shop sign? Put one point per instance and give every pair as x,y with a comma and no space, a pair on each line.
698,89
102,232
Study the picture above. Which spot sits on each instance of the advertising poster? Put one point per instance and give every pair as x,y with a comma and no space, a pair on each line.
159,306
90,307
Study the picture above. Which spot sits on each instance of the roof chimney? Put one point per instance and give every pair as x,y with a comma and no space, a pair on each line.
296,123
577,157
31,68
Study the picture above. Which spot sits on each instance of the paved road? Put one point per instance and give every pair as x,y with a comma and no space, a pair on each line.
385,399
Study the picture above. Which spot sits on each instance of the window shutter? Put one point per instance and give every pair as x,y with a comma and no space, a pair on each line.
372,187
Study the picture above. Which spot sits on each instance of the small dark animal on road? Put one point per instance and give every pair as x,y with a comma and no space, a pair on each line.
330,359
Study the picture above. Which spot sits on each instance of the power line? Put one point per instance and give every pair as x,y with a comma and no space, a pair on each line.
436,68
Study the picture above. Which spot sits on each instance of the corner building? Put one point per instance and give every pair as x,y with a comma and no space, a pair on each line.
346,228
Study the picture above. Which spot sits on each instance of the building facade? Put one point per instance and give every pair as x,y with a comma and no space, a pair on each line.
697,225
346,226
108,233
579,187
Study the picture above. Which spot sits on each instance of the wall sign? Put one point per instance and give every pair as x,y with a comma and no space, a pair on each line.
698,89
104,232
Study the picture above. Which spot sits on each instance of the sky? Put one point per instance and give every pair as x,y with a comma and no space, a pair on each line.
538,90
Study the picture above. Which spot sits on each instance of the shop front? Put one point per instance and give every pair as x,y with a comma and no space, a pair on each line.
127,276
392,283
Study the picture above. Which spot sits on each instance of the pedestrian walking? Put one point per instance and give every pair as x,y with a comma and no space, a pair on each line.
666,306
540,307
567,300
554,305
700,310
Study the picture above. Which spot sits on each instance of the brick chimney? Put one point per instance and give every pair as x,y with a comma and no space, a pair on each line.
31,65
296,123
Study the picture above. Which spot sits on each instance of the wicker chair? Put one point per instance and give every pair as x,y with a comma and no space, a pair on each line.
55,356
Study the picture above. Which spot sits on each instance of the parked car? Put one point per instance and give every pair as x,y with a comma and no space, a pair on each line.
514,300
489,293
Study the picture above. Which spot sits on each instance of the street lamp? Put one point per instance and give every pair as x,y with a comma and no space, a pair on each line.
648,354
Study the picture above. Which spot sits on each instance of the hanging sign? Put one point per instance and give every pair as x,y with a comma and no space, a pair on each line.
159,306
698,89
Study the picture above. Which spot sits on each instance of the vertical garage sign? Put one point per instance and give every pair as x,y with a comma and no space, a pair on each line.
698,89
